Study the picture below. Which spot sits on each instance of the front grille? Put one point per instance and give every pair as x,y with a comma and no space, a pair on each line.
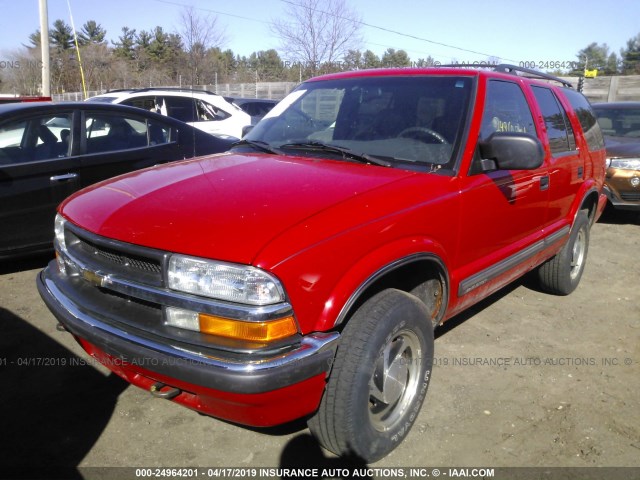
107,256
119,259
122,285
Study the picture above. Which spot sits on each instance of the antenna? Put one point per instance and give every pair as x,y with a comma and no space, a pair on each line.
75,40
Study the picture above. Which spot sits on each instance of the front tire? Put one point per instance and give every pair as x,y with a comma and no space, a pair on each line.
561,274
380,378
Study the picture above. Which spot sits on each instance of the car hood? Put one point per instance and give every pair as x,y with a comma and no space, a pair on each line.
622,146
225,207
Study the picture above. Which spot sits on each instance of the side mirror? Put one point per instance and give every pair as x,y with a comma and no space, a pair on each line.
511,151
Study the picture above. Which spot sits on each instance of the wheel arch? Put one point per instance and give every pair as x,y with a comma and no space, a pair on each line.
422,274
589,202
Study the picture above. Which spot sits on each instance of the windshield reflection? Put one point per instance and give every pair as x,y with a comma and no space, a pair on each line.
406,119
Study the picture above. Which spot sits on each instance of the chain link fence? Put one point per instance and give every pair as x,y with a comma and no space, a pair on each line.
270,90
599,89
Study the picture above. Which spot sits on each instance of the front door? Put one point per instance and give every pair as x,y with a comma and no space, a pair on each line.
505,210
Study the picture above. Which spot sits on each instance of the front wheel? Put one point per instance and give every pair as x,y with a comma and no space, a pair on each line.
561,274
379,380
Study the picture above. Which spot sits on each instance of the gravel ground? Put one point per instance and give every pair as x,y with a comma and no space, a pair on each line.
522,379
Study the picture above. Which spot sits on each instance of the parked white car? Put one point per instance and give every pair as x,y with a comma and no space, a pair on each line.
204,110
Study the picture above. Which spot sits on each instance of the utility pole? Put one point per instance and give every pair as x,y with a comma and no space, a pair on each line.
44,46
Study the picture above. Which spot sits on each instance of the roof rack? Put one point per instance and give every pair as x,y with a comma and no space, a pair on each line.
513,69
116,90
172,89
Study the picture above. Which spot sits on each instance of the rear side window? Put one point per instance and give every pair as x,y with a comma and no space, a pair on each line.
182,108
587,119
505,110
209,113
559,131
146,103
105,132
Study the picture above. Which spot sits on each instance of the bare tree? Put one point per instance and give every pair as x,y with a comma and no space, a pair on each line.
317,32
25,73
199,34
97,61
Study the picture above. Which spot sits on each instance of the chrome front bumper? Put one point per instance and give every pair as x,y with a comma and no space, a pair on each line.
246,374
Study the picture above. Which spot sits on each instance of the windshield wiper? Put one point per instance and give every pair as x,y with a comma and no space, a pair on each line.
344,151
257,144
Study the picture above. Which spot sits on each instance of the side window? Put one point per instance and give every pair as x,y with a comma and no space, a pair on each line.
559,131
209,113
107,132
146,103
257,109
159,133
40,138
505,110
12,136
587,119
181,108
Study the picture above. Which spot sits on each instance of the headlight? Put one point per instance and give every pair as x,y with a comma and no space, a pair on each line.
224,281
624,163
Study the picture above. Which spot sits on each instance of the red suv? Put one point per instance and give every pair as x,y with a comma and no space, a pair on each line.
303,273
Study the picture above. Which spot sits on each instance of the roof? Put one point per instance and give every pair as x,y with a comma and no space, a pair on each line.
16,108
462,69
163,89
132,92
382,72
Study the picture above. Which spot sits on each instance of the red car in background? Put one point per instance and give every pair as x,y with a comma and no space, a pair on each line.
13,99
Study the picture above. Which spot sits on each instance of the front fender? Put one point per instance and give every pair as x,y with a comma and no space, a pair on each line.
322,293
356,277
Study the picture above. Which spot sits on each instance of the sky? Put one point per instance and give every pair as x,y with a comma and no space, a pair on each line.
448,31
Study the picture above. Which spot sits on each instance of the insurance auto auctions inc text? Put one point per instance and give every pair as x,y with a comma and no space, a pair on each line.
505,362
374,472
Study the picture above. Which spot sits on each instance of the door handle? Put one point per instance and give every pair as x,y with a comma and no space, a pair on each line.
62,178
544,182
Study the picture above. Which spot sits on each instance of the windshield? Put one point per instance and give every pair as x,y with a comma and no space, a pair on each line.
619,122
405,120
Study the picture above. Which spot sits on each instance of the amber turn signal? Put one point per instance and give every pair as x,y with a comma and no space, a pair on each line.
248,331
